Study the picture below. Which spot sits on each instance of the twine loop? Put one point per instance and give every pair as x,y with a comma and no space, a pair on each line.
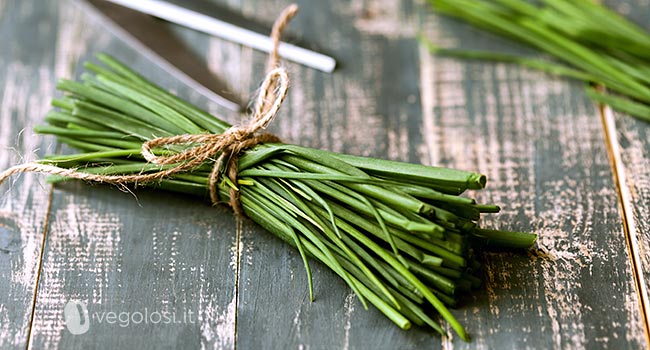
229,144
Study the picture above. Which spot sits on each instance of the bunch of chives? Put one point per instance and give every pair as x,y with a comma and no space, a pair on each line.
589,42
398,234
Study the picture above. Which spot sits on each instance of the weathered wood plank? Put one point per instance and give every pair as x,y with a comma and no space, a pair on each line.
162,257
369,106
27,82
633,160
538,140
154,264
541,143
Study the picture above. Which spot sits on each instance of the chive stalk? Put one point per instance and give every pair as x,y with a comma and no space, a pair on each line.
588,41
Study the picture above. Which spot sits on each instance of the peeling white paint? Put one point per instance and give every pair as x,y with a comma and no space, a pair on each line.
80,241
22,198
349,310
73,35
381,18
428,93
297,322
511,122
217,325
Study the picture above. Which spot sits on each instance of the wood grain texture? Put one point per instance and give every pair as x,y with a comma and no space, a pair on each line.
124,256
155,270
524,130
541,144
368,107
632,140
27,83
538,139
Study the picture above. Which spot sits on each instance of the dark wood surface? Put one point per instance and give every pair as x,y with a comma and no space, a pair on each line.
538,139
632,138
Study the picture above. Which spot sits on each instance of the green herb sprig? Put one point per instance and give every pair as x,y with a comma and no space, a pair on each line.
398,234
589,42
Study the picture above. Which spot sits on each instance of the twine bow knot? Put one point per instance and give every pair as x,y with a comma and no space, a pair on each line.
228,144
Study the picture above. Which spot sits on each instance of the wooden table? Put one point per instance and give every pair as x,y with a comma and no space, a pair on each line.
554,160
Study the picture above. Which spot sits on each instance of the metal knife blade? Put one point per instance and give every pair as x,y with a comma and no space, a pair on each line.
187,15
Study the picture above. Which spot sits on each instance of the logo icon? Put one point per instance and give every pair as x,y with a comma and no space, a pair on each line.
75,316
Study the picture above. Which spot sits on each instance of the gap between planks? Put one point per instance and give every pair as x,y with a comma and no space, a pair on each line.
238,251
625,202
46,227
